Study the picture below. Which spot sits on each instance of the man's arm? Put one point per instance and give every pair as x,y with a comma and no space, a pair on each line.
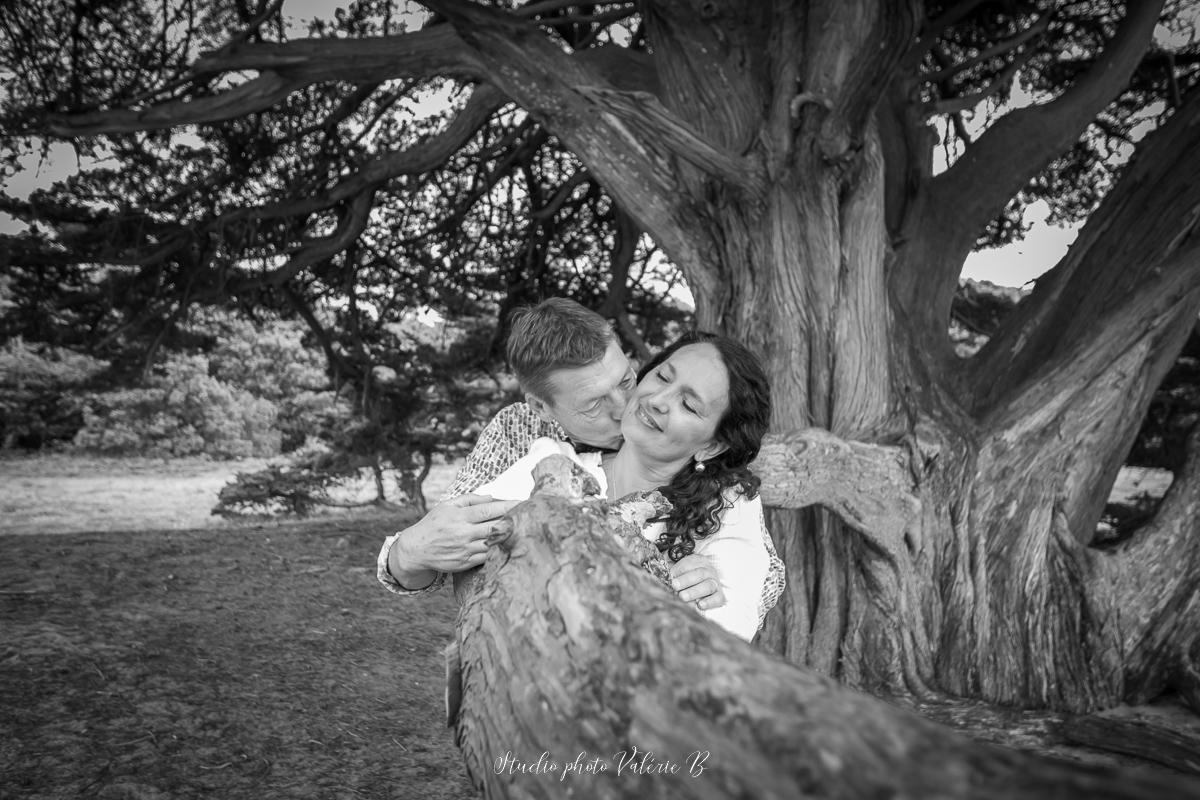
696,580
505,439
449,538
452,537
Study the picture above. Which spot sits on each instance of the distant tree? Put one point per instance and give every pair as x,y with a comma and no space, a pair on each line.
37,404
181,410
783,156
230,387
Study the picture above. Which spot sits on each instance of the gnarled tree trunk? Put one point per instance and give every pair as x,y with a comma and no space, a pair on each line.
781,154
581,674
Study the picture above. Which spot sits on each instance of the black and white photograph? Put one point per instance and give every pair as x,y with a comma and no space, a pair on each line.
520,399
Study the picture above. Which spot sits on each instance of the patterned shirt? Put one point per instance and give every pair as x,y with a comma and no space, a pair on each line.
506,439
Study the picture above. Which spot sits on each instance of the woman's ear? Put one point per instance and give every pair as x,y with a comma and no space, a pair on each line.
711,450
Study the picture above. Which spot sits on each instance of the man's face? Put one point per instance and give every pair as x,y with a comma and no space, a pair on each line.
588,401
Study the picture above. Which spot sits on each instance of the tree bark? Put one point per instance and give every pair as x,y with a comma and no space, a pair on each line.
779,154
1167,736
571,655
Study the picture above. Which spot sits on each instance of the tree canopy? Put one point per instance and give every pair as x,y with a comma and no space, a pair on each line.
817,171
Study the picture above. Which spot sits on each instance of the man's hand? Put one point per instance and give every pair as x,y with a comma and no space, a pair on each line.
695,579
450,538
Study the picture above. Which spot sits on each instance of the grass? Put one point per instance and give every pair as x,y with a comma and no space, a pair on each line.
157,652
220,663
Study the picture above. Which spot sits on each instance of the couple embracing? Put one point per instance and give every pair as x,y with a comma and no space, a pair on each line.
687,424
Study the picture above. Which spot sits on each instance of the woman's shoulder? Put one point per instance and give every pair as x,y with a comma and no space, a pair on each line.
741,512
736,496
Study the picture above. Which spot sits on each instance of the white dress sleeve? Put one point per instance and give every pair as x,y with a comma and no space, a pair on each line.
741,561
516,482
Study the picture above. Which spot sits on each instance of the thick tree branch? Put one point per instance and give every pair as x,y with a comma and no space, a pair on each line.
960,201
1128,248
625,244
643,110
1000,84
869,486
999,49
257,94
1022,142
563,644
353,221
289,66
854,49
432,51
1047,392
563,93
1152,578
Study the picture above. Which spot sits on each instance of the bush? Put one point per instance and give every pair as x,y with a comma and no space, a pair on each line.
38,401
270,360
182,410
277,489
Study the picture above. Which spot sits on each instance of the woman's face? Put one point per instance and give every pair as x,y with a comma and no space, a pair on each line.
674,412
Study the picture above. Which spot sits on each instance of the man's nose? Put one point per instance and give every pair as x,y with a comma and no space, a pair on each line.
616,404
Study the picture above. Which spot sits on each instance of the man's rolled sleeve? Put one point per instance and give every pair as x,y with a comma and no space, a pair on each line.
501,443
391,584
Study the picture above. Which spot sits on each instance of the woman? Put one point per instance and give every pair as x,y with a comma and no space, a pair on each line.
692,427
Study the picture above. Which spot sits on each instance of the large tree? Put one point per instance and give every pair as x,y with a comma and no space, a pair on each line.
819,171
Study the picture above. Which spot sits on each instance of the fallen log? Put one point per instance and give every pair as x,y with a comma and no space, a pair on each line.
582,674
1168,735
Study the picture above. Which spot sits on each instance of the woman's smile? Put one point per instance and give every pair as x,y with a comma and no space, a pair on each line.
644,417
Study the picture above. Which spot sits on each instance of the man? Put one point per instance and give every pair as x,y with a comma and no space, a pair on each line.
576,382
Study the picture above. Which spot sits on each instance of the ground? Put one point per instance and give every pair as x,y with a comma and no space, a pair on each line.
259,662
157,652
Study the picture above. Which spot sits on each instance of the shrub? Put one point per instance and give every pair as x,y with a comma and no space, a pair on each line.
38,398
181,410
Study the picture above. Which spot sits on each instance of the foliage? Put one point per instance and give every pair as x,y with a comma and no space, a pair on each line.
36,399
783,157
417,400
200,215
224,215
250,209
271,360
275,489
1173,413
994,61
181,410
230,387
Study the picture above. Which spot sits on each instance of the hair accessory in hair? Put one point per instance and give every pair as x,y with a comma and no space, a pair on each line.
699,466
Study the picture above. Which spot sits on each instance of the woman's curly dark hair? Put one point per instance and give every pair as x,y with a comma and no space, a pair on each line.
697,497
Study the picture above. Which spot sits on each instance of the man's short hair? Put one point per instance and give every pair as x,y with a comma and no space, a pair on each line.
554,334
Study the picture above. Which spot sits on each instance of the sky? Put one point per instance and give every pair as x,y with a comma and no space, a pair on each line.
1013,265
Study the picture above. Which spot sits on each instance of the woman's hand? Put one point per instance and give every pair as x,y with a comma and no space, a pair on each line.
695,579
